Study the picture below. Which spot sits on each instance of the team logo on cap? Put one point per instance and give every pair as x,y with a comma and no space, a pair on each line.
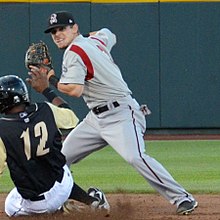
53,18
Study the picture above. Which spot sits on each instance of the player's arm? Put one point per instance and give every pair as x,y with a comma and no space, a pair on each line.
65,118
39,62
39,82
2,157
106,37
72,89
75,90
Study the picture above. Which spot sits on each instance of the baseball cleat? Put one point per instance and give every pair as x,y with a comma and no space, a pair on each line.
186,207
102,203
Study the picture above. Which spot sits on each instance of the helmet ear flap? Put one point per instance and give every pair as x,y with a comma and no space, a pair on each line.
3,97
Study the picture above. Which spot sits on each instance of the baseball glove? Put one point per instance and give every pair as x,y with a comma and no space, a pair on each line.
38,55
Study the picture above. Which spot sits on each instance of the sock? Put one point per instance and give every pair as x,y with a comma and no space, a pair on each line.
81,195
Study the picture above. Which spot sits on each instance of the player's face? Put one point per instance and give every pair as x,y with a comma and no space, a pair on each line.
63,36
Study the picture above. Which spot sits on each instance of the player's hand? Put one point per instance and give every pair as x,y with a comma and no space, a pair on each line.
38,69
42,70
38,79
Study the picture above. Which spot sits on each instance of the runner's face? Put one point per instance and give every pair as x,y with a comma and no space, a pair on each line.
63,36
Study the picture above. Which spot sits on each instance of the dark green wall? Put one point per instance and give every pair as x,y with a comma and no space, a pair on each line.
168,53
189,64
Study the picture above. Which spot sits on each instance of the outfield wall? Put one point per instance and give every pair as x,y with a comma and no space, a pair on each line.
168,52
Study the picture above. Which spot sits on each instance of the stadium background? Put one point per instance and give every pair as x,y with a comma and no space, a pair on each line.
168,52
169,55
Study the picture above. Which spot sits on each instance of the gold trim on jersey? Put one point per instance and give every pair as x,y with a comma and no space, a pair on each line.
65,118
2,156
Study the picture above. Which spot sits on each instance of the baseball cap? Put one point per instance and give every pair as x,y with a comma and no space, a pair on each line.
59,19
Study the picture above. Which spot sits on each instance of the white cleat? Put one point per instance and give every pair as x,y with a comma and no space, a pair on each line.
102,202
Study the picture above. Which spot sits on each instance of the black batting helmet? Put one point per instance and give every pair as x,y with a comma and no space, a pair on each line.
13,91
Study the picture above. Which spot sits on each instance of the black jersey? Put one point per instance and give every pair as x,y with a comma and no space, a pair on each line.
33,143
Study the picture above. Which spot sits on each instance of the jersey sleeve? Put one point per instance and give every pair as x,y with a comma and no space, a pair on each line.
72,63
65,118
2,156
107,37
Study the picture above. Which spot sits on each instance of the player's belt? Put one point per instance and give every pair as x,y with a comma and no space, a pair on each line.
38,198
99,110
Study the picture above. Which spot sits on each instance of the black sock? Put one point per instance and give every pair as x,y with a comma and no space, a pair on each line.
80,195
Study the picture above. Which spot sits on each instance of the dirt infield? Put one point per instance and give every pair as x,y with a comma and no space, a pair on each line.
142,206
138,207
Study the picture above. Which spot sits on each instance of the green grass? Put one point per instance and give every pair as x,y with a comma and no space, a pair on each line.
194,164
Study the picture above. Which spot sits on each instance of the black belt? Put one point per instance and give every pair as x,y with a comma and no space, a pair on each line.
98,110
38,198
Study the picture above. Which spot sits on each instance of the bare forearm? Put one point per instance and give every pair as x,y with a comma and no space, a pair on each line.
71,89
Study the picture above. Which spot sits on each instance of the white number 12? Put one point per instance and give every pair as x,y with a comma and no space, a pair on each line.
40,129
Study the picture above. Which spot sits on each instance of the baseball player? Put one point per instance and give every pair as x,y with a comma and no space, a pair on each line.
30,142
115,117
